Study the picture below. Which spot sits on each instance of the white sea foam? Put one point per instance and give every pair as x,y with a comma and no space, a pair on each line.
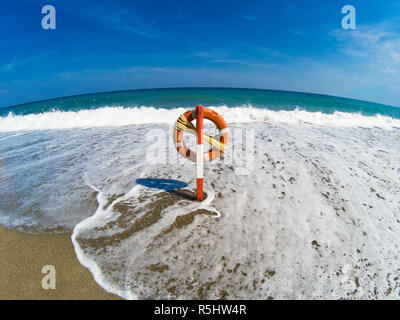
120,116
317,217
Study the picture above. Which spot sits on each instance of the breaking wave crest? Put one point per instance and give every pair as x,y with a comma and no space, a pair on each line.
122,116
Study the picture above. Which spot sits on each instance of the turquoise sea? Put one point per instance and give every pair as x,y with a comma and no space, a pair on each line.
187,97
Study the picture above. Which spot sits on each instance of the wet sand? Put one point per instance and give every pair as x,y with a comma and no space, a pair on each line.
22,257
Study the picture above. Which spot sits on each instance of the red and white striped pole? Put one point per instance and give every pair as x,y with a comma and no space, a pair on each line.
199,158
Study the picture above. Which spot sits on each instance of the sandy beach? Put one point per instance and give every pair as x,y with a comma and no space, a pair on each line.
22,258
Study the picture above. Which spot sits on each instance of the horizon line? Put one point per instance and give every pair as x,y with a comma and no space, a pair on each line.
174,88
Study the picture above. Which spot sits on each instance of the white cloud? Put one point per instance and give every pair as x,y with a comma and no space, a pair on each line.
377,46
251,18
17,62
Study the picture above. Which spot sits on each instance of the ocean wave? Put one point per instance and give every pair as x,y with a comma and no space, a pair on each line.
122,116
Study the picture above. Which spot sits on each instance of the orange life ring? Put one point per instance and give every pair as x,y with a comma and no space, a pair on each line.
211,154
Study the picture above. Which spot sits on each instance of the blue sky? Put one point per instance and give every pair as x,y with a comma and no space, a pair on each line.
281,44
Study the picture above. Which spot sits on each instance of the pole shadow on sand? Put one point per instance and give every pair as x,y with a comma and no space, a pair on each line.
172,186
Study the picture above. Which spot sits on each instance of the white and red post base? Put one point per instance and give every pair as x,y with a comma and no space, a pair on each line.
199,158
